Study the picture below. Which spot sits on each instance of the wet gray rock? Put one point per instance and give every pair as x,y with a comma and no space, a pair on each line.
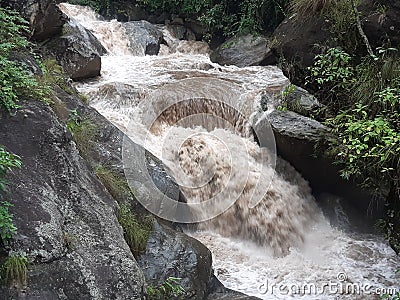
243,51
181,32
77,50
291,125
293,98
144,37
217,291
45,18
66,219
302,141
174,254
301,101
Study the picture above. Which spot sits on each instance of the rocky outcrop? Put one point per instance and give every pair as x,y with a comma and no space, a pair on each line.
174,254
301,141
294,126
66,219
77,50
169,251
45,19
295,40
243,51
145,38
293,98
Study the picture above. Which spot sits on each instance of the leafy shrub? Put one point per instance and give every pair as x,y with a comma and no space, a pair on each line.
171,288
221,16
136,234
17,81
14,271
365,110
7,228
8,161
332,73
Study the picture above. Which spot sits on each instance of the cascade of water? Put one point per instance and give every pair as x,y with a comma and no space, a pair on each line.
193,115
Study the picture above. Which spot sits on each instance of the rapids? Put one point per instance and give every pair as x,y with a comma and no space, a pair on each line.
282,247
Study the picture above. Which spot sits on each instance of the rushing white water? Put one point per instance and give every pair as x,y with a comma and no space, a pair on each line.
269,251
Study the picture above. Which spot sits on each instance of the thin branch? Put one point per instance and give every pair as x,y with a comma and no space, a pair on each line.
360,29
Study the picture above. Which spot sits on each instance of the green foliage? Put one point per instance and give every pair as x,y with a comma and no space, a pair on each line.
332,72
53,75
396,296
367,146
171,288
136,233
12,32
115,184
225,17
8,161
14,271
84,131
7,228
365,108
17,81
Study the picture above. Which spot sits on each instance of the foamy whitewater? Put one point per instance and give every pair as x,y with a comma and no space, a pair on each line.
283,247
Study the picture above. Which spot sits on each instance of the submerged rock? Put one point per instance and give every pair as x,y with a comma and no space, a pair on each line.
78,51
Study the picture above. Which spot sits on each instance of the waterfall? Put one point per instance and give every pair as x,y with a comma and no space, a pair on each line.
194,115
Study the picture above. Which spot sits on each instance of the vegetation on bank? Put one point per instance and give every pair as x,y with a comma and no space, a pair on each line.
14,271
136,233
360,87
170,289
220,17
17,81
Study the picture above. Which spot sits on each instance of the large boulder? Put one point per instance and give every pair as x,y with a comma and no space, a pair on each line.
77,50
243,51
45,18
174,254
144,37
301,141
295,40
293,98
66,219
